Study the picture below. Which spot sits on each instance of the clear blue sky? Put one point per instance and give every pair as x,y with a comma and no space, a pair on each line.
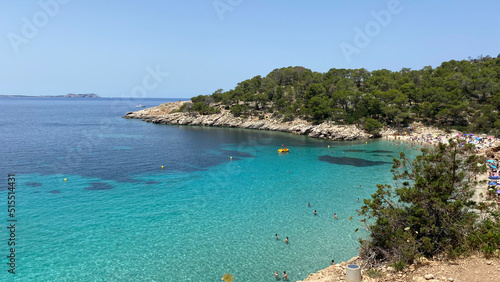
106,47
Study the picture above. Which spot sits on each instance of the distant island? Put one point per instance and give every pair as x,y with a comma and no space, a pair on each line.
70,95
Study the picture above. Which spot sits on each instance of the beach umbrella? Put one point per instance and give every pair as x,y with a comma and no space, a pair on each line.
498,192
493,177
493,167
490,161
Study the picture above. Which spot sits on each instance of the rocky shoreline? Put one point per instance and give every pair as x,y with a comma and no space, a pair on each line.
167,113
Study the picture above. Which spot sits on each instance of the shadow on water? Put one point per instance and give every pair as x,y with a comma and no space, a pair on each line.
233,153
367,151
96,186
350,161
33,184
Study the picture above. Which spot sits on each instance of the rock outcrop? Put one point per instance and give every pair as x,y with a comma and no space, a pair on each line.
168,114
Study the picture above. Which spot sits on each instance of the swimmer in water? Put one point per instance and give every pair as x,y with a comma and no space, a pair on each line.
286,240
277,275
277,237
315,213
335,215
333,262
308,204
285,276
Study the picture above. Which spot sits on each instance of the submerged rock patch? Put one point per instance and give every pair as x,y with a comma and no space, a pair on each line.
233,153
54,191
96,186
351,161
33,184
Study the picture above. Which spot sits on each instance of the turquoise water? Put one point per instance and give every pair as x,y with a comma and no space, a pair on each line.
120,217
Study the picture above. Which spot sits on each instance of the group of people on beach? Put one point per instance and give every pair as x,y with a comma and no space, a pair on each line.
493,191
481,143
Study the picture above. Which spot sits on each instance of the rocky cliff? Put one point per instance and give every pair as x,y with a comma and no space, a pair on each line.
168,114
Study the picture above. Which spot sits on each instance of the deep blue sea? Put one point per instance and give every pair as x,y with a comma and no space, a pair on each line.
214,208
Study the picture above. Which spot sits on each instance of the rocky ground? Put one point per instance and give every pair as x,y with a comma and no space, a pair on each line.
471,269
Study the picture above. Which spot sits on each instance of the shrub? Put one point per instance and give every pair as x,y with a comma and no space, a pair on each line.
429,211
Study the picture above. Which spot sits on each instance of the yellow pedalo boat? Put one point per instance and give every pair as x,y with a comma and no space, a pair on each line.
283,150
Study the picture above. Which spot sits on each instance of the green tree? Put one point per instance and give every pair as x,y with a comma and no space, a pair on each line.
319,109
372,126
429,211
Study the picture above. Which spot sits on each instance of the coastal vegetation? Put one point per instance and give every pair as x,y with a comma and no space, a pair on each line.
462,95
429,211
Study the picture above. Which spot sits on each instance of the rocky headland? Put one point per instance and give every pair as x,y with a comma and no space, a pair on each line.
168,113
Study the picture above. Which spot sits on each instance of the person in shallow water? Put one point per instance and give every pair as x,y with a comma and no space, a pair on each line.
335,215
333,262
308,204
285,276
286,240
277,236
315,213
277,275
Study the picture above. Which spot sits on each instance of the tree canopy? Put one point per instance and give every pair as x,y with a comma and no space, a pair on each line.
459,94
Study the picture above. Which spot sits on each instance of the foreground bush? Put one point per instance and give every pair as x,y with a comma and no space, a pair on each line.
429,210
